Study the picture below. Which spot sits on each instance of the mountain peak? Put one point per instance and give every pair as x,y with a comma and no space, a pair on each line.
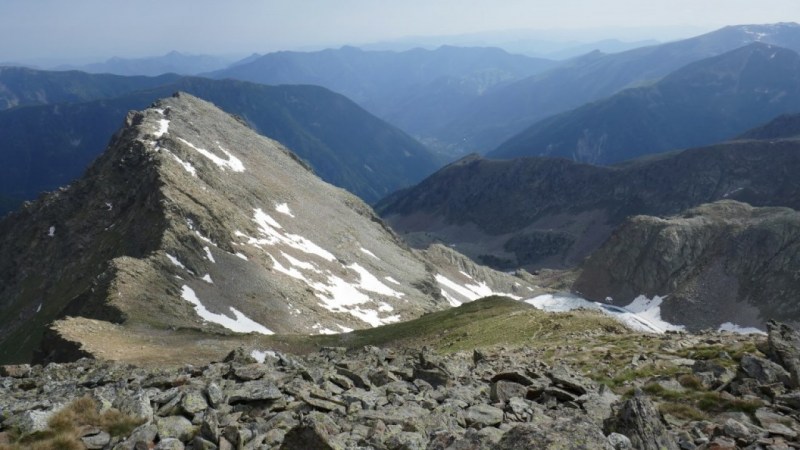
191,220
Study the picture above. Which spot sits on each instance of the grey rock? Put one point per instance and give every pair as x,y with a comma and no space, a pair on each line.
639,419
567,379
784,346
316,431
503,390
790,399
209,428
215,395
136,404
406,440
97,440
251,391
199,443
169,444
619,441
482,415
570,432
30,421
193,402
712,374
777,423
250,372
737,430
763,370
143,436
177,427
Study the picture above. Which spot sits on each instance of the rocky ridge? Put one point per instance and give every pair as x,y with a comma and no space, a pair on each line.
192,221
380,398
549,212
721,262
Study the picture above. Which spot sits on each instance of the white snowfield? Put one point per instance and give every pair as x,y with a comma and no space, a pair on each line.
233,163
642,314
469,292
335,293
240,323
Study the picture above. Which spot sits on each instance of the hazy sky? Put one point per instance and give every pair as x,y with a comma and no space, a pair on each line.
103,28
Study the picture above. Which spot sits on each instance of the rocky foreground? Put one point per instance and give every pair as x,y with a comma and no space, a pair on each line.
378,398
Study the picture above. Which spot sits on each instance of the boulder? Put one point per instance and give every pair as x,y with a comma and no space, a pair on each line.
764,371
784,348
639,419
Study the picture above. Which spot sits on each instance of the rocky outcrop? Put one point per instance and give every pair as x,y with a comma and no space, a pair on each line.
381,398
717,263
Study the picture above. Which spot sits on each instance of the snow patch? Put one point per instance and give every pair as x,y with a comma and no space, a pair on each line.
344,328
39,308
450,299
322,330
209,256
241,255
300,264
163,126
261,356
233,163
51,231
291,271
642,314
186,166
269,229
392,280
370,283
469,291
283,208
175,261
207,279
368,253
240,324
733,328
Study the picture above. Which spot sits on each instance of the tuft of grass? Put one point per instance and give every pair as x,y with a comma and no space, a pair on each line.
691,381
682,411
715,402
64,427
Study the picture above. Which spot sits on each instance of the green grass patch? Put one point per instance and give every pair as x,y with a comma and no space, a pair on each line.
64,427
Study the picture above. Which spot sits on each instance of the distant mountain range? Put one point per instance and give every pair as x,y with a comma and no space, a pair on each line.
47,146
552,212
504,112
172,62
21,86
705,102
417,90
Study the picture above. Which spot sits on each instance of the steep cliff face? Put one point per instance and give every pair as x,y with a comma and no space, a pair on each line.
717,263
191,220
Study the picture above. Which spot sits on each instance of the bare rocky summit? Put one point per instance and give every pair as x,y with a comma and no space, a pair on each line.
192,221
